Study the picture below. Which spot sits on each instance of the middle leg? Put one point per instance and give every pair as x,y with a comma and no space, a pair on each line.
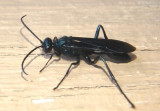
67,73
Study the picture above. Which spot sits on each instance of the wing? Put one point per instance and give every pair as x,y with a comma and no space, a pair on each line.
101,45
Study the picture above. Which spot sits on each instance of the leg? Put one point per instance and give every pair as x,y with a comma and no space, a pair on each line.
88,60
46,63
116,83
97,32
75,63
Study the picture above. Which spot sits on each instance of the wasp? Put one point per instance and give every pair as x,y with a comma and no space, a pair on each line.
80,47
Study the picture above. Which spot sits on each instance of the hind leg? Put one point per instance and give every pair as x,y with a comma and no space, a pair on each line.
113,79
97,32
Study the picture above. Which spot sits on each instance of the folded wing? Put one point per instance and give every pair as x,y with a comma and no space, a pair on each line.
101,45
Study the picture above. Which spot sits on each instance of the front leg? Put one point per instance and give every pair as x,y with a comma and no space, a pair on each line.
46,63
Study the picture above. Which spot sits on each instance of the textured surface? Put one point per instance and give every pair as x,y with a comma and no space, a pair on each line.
86,88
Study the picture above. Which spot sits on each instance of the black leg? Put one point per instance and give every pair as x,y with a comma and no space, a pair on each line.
67,73
113,80
97,32
46,63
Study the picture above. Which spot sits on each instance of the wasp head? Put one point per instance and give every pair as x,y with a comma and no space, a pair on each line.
47,45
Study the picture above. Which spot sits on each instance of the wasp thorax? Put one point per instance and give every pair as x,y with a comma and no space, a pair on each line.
47,45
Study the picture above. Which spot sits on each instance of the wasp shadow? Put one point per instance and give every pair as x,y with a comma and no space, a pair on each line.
120,58
28,63
21,32
117,58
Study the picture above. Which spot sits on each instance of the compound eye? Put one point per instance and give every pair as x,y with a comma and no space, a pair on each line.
47,45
